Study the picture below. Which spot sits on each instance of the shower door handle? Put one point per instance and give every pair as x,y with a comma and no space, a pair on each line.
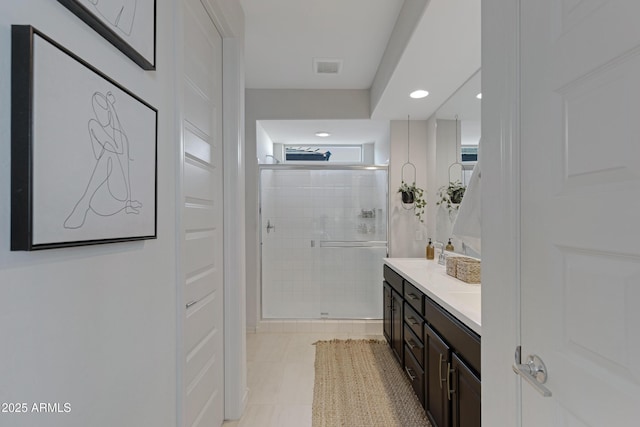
270,227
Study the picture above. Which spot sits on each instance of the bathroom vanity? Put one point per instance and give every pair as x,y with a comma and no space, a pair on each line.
432,322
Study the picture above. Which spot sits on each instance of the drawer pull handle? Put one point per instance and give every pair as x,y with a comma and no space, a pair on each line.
412,377
413,296
412,344
449,374
412,320
191,303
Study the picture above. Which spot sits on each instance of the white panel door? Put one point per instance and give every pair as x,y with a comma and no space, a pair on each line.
580,210
202,262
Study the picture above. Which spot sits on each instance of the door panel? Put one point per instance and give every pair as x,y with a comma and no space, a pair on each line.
386,324
466,406
580,258
203,381
397,320
438,358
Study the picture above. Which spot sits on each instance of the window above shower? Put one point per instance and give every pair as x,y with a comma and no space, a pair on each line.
323,142
350,154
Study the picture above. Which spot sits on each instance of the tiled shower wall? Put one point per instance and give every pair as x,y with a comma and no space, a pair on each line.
303,277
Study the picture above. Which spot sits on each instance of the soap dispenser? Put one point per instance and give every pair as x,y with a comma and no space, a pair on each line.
449,246
430,251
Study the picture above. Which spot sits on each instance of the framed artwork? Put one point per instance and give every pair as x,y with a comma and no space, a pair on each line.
83,151
130,25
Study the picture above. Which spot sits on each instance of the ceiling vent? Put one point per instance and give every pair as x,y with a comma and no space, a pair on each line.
327,66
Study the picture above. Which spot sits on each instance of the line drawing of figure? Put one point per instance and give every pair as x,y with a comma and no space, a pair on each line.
108,191
119,13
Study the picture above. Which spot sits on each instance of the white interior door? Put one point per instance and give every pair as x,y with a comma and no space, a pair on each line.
202,261
580,210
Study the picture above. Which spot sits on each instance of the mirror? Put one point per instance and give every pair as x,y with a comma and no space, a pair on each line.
457,138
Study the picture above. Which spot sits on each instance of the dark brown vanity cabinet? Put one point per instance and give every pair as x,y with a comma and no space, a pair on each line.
414,350
440,355
393,289
437,399
387,320
396,326
466,405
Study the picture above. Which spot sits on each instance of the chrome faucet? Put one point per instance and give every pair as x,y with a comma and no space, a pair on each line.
442,258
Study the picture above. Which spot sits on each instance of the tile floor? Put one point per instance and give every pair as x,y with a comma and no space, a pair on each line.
280,374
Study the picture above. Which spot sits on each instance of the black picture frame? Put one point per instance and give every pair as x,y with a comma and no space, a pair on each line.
83,151
110,22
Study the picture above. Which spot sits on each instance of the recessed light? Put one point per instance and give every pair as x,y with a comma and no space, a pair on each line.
479,96
417,94
323,134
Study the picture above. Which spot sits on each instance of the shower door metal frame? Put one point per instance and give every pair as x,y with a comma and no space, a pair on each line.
336,167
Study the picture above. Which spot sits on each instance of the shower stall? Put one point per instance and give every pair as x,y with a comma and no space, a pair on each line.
324,234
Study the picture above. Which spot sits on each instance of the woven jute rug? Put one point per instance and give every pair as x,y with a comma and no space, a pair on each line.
360,383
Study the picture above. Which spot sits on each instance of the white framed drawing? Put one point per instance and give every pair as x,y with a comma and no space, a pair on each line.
83,151
130,25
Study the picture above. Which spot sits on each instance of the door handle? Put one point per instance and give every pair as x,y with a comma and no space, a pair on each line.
270,227
442,380
534,371
450,372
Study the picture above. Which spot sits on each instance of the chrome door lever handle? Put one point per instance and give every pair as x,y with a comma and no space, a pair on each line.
534,371
270,227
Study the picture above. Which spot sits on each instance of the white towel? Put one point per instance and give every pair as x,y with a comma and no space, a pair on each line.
468,222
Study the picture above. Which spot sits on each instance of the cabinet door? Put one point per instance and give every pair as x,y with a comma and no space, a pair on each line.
438,361
386,323
396,326
466,395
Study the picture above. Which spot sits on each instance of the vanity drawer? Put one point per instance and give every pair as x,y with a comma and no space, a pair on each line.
414,344
415,374
413,320
413,296
393,278
462,340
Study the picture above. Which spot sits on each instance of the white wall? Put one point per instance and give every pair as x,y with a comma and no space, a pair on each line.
470,131
95,326
283,104
264,145
407,235
92,326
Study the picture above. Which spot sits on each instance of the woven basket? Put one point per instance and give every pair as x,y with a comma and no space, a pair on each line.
468,270
452,261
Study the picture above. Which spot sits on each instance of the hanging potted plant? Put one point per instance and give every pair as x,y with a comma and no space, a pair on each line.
413,196
450,196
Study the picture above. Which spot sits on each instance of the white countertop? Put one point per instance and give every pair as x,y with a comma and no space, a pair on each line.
460,299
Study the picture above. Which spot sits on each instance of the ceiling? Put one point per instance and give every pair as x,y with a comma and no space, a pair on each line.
464,102
282,37
441,51
342,131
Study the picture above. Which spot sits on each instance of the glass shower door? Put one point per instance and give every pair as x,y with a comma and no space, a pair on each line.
324,234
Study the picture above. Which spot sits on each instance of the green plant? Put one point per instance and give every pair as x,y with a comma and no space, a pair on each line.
413,195
451,195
